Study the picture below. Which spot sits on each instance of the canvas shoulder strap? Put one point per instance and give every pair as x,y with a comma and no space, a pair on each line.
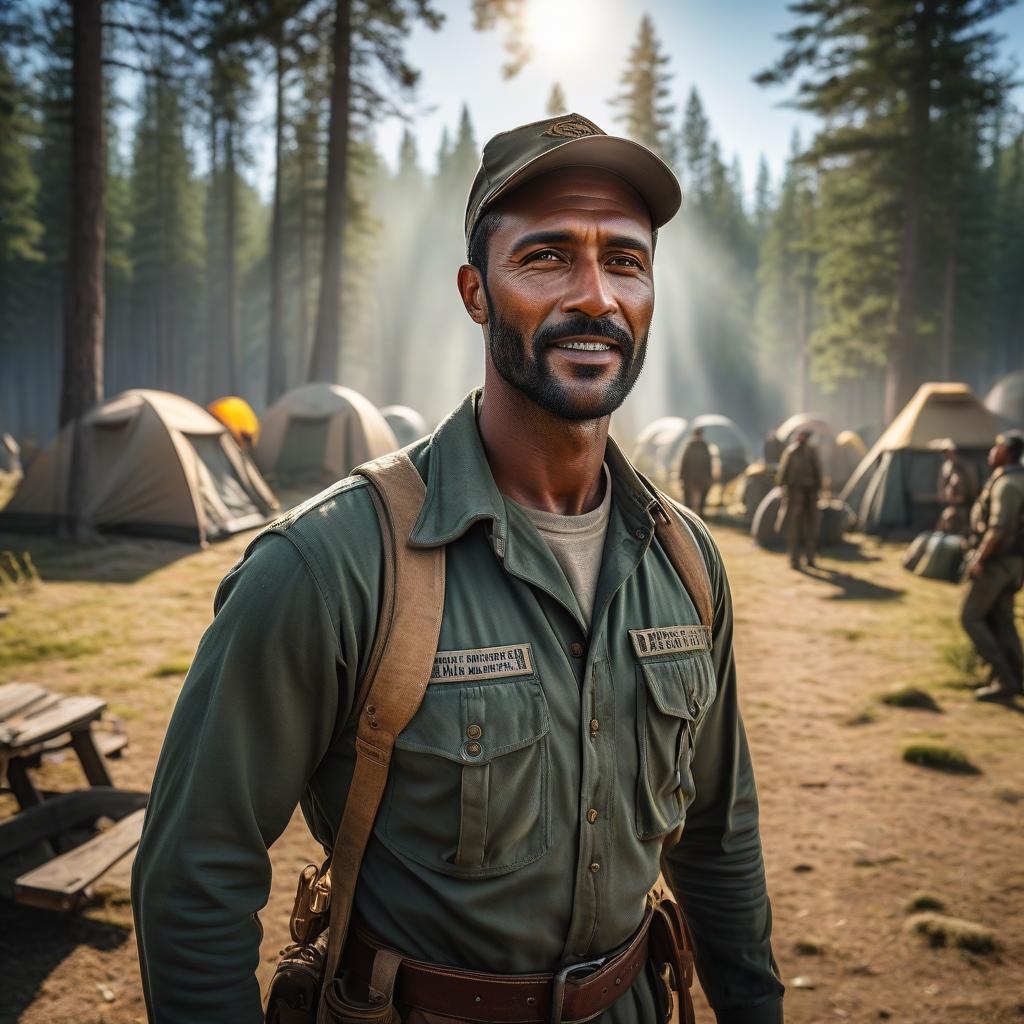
676,538
412,606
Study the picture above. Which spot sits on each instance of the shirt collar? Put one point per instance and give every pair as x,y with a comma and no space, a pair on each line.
461,490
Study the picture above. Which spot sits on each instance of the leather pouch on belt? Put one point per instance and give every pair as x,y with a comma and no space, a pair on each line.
670,952
342,1002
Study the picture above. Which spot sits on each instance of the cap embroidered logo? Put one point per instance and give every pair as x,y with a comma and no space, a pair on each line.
575,127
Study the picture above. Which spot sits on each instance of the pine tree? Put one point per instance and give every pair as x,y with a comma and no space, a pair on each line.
644,113
884,75
695,145
556,101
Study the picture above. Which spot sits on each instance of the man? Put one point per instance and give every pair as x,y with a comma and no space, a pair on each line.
996,569
537,852
695,471
799,477
956,489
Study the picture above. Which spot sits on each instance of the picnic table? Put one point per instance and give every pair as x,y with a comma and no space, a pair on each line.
43,861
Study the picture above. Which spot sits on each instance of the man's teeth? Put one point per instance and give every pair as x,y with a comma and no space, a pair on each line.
586,346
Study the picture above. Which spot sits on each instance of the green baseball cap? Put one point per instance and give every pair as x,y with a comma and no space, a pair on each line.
512,158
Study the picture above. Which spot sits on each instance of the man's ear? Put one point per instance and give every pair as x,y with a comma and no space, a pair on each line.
471,288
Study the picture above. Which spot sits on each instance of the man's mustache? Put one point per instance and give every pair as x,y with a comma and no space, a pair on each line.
583,326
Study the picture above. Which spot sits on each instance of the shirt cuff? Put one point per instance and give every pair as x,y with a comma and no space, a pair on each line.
762,1013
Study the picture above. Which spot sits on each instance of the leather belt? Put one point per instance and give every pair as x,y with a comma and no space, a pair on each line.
578,992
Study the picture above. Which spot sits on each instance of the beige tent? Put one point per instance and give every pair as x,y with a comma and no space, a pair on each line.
151,463
321,431
408,425
658,446
895,487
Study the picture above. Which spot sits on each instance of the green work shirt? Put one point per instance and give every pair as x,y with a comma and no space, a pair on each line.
800,467
1000,509
535,851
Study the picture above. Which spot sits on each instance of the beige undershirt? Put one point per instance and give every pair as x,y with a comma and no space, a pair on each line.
577,542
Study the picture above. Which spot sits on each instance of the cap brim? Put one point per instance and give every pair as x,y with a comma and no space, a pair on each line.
652,178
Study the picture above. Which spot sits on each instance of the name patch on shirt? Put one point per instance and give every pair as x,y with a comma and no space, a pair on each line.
670,640
482,663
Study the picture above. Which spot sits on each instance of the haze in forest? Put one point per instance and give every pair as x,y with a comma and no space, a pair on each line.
885,249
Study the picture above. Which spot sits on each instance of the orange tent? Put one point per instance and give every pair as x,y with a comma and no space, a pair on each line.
236,414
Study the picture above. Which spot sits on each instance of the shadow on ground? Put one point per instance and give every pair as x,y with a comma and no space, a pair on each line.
853,588
38,941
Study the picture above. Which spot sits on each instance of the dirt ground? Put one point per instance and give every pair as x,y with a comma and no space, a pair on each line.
852,834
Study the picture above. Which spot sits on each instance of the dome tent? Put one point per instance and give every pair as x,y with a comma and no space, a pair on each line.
322,431
1006,399
408,425
655,446
152,464
895,487
729,447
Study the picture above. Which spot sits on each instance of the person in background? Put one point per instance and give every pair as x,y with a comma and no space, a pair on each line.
957,490
799,477
695,471
995,570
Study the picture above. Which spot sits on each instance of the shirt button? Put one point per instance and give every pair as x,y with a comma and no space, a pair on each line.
594,726
473,749
576,650
594,868
474,732
641,534
592,815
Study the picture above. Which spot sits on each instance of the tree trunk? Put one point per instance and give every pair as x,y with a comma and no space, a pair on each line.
275,341
900,377
82,374
803,347
303,345
948,313
323,364
231,341
214,341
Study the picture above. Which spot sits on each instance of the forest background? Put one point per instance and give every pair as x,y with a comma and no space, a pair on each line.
889,252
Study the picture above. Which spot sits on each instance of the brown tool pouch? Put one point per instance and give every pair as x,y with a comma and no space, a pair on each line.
295,988
345,1001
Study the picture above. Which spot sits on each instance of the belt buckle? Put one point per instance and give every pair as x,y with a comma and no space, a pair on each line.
565,975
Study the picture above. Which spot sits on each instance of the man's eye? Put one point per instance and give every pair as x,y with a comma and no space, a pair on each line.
545,255
626,261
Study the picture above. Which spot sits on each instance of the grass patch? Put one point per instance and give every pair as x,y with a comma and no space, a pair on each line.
809,947
922,901
962,658
177,667
863,717
939,757
21,649
952,932
910,697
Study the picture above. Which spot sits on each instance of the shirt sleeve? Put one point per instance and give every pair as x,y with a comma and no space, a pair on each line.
716,870
1005,514
255,716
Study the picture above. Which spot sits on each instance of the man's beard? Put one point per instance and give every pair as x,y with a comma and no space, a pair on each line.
531,373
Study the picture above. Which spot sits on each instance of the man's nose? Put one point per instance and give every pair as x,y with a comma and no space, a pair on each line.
588,291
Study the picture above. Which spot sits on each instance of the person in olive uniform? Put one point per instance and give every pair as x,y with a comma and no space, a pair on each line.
799,477
695,471
995,569
956,490
601,727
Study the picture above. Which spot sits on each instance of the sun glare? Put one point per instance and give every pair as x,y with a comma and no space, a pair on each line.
560,29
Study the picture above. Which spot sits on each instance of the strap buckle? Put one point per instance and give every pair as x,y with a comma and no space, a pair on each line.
570,973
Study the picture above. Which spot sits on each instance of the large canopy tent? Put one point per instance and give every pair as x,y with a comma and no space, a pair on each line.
322,431
1006,399
408,425
149,463
658,448
895,487
729,448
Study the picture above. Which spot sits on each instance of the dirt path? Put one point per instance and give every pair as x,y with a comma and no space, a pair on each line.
851,832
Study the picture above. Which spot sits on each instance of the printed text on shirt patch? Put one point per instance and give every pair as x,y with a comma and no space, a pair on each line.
670,640
482,663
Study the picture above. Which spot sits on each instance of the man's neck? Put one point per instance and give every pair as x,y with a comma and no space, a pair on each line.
540,460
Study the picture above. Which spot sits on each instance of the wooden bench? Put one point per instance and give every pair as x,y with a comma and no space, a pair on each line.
34,721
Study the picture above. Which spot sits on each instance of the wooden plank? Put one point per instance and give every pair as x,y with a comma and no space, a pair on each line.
60,884
57,814
16,697
110,744
10,728
66,715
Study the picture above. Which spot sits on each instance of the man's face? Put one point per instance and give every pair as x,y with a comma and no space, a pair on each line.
999,455
570,291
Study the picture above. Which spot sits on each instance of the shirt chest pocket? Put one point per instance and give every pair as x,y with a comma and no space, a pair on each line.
673,695
469,792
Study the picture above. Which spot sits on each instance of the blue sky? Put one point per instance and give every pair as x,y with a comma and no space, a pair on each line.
716,45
